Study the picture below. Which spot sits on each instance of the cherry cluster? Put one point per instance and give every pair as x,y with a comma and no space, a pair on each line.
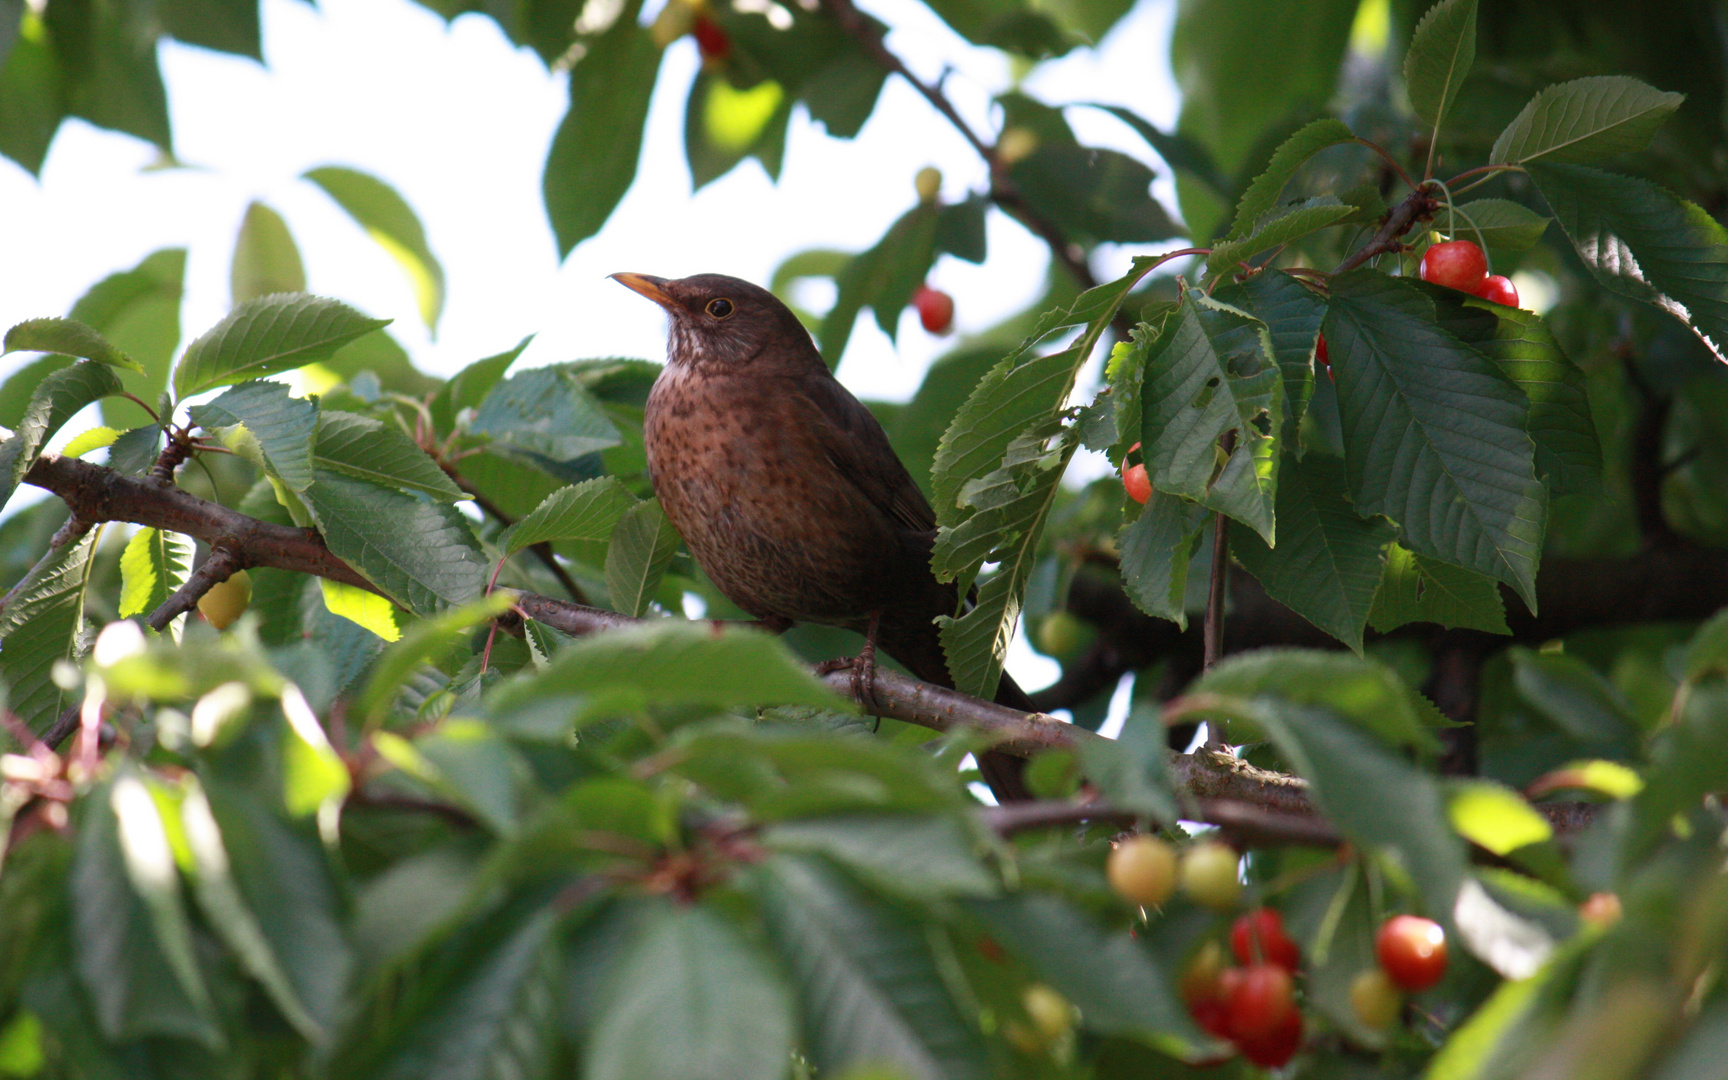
1253,1003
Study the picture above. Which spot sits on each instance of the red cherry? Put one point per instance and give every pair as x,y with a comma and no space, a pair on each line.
711,41
1412,951
1136,483
1499,289
1321,355
1202,990
1275,1048
1259,937
1260,999
935,309
1456,264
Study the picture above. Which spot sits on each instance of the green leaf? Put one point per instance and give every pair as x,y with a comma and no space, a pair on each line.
69,337
994,477
593,157
1585,120
1262,195
1092,196
474,764
1004,24
723,125
133,943
1434,433
1156,548
1133,769
1363,691
426,641
691,999
57,399
1417,589
1643,242
881,279
1181,153
545,415
267,335
393,226
468,388
421,554
96,438
790,773
136,451
1292,314
1442,49
139,311
960,228
1282,225
918,856
1329,560
1502,227
1210,374
1494,817
154,565
642,546
1572,695
363,448
872,991
1707,652
280,424
32,83
672,662
20,386
41,626
586,511
228,914
1115,982
266,260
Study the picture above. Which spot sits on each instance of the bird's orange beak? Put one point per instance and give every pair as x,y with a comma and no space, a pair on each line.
654,288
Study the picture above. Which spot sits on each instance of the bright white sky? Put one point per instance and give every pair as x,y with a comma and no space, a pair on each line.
458,121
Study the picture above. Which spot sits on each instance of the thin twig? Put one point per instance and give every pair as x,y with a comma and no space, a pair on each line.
1418,206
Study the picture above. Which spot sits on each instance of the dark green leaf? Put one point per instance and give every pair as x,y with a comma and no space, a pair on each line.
139,311
1004,24
392,224
960,228
593,157
1292,314
919,856
1442,49
1092,196
214,24
1434,433
1181,153
1574,697
871,990
267,335
545,413
1585,120
1645,243
41,626
69,337
266,259
32,84
420,554
57,399
1417,589
642,546
882,279
692,999
1329,560
1262,195
278,423
1281,225
21,386
112,77
1133,769
1364,691
586,511
365,449
1156,548
1503,228
468,388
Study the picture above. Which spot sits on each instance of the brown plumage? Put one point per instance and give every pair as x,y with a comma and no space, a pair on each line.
786,489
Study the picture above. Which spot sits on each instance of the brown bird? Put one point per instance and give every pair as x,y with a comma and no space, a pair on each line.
786,489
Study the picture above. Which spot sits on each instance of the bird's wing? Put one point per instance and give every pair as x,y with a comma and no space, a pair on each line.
857,446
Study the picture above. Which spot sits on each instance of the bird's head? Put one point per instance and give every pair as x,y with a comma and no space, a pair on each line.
722,323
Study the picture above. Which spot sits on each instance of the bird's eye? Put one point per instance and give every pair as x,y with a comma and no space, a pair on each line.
720,308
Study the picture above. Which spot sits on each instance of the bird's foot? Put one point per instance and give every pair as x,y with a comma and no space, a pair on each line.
863,668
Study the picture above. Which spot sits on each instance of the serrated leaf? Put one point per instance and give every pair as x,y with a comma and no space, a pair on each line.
281,425
393,226
1434,433
57,399
672,662
1416,589
468,388
421,554
1211,374
154,565
134,452
267,335
266,260
131,942
1280,226
593,156
139,311
95,439
69,337
919,856
1156,548
1292,314
586,511
1645,243
1329,560
365,449
1116,983
40,626
691,999
641,547
426,641
1585,120
872,991
545,415
1502,227
1262,194
1442,49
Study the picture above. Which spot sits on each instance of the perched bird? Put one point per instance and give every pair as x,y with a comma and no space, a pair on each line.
786,489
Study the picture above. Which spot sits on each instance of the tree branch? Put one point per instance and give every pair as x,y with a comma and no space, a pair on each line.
1417,206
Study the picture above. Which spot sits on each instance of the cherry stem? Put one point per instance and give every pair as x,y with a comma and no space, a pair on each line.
1392,161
